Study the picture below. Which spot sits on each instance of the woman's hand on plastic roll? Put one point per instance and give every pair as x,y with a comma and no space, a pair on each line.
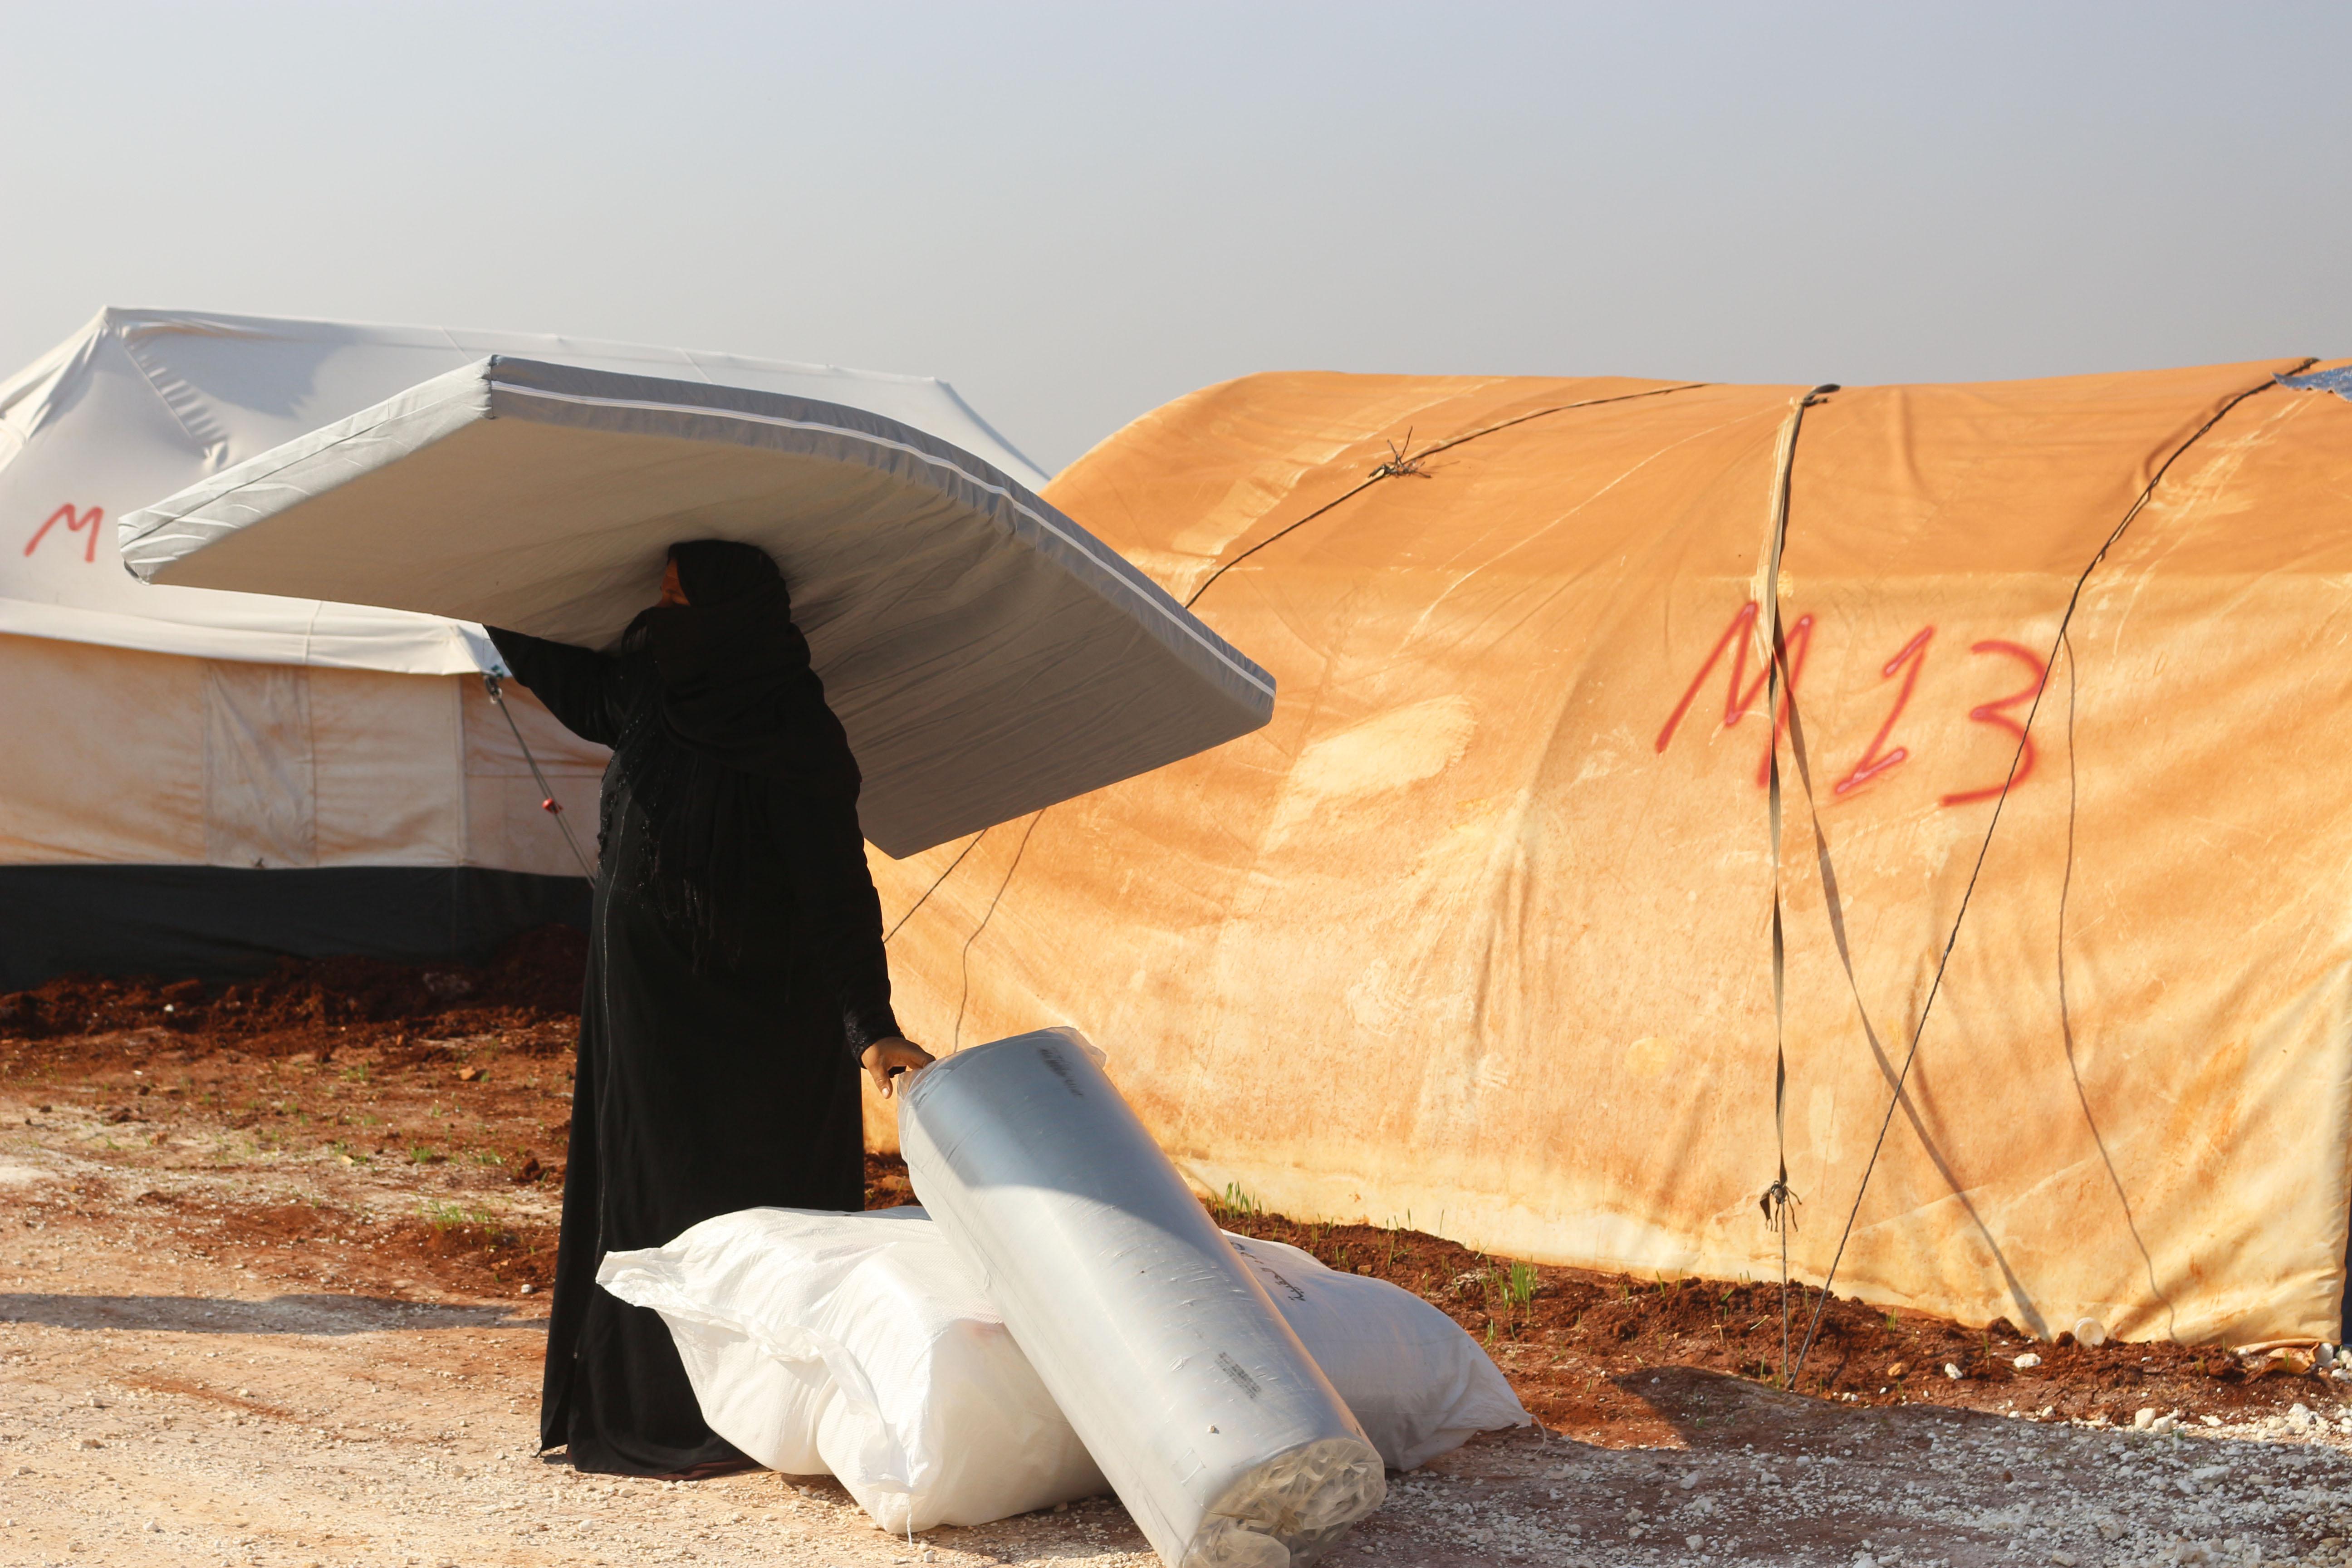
890,1056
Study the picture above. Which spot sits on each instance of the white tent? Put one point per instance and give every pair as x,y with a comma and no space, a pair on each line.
200,781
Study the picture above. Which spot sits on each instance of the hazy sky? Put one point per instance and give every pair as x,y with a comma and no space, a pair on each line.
1077,212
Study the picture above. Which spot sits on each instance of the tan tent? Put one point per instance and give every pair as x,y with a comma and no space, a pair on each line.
1478,931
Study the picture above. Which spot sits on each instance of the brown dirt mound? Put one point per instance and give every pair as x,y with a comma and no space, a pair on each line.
886,1186
462,1247
1568,1336
319,1004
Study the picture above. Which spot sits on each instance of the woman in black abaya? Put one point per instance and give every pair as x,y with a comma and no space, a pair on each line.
736,978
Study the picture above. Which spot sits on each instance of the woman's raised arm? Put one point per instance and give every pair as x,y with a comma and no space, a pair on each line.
579,686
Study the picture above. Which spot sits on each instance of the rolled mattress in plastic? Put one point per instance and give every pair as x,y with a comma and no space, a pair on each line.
1224,1441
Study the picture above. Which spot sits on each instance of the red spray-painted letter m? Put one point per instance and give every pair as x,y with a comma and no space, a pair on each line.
74,523
1738,699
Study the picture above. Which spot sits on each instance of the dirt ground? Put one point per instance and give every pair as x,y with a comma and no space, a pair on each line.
1575,1342
272,1271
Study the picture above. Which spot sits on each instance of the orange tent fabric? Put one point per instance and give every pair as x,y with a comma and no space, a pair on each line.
1477,932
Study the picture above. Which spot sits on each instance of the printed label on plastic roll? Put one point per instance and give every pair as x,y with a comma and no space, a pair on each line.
1060,1070
1242,1379
1267,1270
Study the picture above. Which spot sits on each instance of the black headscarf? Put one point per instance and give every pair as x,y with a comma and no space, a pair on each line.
741,713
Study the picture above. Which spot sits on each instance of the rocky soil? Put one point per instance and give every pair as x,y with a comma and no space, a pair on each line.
272,1268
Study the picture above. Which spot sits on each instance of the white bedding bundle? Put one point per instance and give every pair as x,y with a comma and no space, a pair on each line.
860,1346
863,1347
1066,1302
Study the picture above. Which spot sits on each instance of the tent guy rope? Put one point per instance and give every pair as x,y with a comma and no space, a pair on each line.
547,801
970,845
955,1040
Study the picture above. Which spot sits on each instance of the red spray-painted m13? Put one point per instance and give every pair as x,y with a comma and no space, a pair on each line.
1877,760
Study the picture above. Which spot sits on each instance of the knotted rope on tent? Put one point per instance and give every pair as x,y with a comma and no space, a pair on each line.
1399,464
1401,460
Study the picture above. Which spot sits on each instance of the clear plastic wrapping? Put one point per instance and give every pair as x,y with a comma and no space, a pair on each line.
1219,1432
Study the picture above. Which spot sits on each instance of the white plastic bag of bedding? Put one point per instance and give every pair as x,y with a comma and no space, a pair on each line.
860,1345
1416,1384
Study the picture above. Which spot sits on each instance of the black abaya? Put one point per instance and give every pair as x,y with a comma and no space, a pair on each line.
708,1080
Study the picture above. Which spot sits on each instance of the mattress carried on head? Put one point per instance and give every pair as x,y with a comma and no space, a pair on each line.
987,655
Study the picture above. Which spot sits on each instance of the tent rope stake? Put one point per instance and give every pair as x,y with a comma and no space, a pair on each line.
1779,1201
2024,734
547,801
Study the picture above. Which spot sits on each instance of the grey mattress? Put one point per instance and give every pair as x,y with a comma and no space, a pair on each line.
987,656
